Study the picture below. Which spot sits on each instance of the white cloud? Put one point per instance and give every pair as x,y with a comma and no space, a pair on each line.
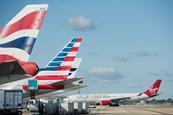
122,58
161,74
145,53
105,74
82,23
102,70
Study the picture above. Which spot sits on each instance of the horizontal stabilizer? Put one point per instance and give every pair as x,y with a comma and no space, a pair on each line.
66,82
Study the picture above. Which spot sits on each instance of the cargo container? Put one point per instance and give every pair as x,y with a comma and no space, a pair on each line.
11,101
85,108
81,107
66,107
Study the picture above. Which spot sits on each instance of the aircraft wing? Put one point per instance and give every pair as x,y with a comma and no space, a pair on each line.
75,87
53,94
67,83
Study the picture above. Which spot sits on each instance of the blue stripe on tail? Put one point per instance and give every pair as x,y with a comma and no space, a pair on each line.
23,43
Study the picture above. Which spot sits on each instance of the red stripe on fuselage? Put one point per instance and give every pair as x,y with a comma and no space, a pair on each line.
45,87
40,87
27,22
51,77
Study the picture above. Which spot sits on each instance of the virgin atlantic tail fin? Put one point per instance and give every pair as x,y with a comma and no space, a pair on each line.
153,89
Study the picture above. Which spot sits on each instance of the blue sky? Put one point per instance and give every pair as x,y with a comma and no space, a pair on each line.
127,43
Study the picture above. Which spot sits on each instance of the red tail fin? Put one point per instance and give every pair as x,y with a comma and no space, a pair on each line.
153,90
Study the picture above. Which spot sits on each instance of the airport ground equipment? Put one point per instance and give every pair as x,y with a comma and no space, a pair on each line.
74,108
51,108
85,108
32,105
11,101
58,107
81,108
66,107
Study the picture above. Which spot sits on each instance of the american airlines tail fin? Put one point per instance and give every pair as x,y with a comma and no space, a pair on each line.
62,63
153,89
65,57
18,36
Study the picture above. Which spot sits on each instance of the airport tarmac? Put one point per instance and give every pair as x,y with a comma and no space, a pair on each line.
133,110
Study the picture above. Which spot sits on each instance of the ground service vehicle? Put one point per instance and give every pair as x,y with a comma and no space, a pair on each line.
11,101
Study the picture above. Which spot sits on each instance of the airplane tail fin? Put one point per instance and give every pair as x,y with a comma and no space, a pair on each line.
66,56
153,89
18,36
63,62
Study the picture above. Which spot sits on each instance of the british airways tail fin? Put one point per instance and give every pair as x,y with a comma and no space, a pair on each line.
153,89
18,36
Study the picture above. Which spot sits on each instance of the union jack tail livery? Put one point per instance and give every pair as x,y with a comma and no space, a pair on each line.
19,34
153,90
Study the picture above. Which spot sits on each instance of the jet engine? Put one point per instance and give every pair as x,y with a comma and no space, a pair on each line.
29,68
105,102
